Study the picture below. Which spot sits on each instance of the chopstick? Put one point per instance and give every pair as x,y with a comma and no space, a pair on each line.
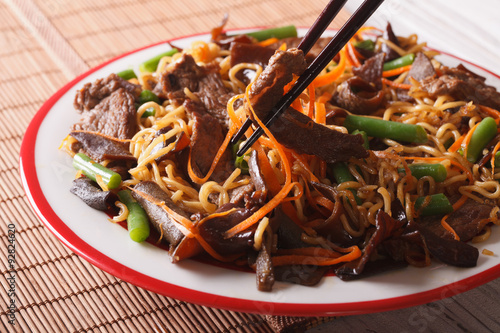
310,38
367,8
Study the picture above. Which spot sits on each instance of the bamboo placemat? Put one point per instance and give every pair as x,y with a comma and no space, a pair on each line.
44,44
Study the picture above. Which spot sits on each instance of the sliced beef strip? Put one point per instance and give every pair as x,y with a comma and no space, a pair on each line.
466,221
294,129
204,81
206,139
93,93
114,116
100,148
293,42
462,84
148,194
421,68
88,190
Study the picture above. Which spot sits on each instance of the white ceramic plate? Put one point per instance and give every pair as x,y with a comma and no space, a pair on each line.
47,175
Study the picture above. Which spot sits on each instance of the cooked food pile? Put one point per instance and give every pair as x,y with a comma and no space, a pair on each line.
389,158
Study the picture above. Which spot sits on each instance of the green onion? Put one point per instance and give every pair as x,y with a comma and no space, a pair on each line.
239,161
399,62
137,219
127,74
91,169
484,133
279,32
151,64
380,128
419,170
438,205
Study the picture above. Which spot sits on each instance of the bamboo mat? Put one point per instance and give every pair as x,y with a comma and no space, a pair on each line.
44,44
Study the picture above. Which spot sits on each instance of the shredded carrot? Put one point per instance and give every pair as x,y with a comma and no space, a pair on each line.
298,196
490,111
324,98
396,71
352,54
320,113
456,145
294,259
268,41
283,47
493,152
312,97
448,228
217,157
396,85
465,143
287,187
334,74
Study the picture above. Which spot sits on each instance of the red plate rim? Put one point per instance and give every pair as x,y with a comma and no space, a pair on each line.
46,214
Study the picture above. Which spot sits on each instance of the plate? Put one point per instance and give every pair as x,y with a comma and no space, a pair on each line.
47,174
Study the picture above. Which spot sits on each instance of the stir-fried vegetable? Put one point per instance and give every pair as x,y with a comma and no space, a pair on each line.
484,133
280,33
137,220
150,65
93,170
437,204
419,170
386,129
127,74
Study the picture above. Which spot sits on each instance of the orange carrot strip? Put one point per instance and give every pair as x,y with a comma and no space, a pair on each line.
312,97
298,196
352,55
456,145
218,156
354,254
396,71
396,85
320,200
465,143
490,111
320,113
334,74
493,152
268,41
448,228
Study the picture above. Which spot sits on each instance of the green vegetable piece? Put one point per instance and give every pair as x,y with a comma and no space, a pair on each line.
148,96
419,170
438,205
380,128
127,74
342,174
137,219
366,44
366,142
148,112
399,62
91,169
497,159
239,161
151,64
484,133
280,33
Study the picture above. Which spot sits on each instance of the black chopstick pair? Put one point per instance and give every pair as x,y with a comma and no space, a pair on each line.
367,8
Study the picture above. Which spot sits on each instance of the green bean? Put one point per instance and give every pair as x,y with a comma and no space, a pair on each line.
400,62
148,96
148,112
366,143
438,204
342,174
91,169
127,74
484,133
366,44
279,32
386,129
497,159
151,64
419,170
137,219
